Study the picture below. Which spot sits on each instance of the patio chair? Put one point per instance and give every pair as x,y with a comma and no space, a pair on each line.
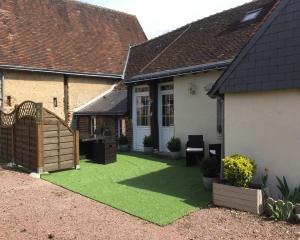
215,150
194,149
215,153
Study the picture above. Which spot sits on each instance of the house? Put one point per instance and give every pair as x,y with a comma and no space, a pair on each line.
261,95
108,111
62,53
168,77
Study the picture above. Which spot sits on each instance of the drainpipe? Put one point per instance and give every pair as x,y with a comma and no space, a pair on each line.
2,90
223,136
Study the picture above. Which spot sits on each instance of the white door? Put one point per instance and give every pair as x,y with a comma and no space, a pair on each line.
140,116
165,115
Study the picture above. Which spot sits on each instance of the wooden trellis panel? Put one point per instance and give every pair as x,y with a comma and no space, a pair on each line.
37,139
6,144
59,143
25,143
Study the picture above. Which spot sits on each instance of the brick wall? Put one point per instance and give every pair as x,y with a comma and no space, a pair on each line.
84,89
43,87
37,87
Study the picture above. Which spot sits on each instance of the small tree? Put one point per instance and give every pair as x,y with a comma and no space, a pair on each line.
148,141
123,140
239,170
174,145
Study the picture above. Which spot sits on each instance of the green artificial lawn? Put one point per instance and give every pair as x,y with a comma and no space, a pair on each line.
159,190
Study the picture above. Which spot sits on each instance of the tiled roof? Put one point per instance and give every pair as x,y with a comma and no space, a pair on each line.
113,103
66,35
213,39
271,60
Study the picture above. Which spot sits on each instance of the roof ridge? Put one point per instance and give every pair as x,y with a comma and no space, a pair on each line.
165,34
166,48
99,7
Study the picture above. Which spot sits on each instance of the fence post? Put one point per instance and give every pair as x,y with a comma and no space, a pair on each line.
77,153
39,137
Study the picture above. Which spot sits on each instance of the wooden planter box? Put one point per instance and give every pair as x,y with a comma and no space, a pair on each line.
245,199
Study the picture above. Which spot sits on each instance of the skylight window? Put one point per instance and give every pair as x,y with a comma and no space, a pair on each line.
251,15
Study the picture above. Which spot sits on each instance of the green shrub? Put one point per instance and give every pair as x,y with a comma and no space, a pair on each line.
239,170
210,167
123,140
148,141
286,193
279,210
174,145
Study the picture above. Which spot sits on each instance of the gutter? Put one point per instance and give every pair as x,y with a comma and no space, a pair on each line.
45,70
126,63
99,114
180,71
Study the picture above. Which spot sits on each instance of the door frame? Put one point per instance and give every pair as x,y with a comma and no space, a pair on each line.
135,128
159,114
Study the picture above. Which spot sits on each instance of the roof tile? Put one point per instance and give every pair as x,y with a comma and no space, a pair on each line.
66,35
213,39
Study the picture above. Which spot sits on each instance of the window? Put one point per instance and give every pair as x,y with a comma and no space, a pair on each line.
9,102
92,125
167,87
143,110
55,102
251,15
142,89
168,110
220,115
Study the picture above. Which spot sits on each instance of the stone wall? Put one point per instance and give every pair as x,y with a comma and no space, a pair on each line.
49,88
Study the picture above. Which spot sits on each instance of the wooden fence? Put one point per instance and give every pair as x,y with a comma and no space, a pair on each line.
37,139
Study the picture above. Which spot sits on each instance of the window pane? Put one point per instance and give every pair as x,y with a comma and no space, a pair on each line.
167,87
143,111
142,89
168,110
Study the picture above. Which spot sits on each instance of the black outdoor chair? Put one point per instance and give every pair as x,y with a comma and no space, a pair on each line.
215,153
194,149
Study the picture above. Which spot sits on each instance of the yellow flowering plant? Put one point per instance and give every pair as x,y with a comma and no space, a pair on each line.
239,170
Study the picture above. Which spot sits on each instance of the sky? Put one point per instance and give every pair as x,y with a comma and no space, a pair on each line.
160,16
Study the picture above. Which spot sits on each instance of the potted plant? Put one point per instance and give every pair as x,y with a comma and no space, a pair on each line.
174,146
210,170
237,192
148,144
123,143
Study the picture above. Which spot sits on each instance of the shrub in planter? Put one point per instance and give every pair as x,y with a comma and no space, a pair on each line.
239,170
123,143
210,170
174,146
148,144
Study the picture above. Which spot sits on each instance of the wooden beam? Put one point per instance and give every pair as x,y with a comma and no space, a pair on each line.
76,150
40,138
154,113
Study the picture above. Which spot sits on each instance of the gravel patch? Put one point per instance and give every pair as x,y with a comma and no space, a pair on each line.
35,209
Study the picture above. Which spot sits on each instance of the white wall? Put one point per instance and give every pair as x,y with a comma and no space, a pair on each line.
195,114
266,127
